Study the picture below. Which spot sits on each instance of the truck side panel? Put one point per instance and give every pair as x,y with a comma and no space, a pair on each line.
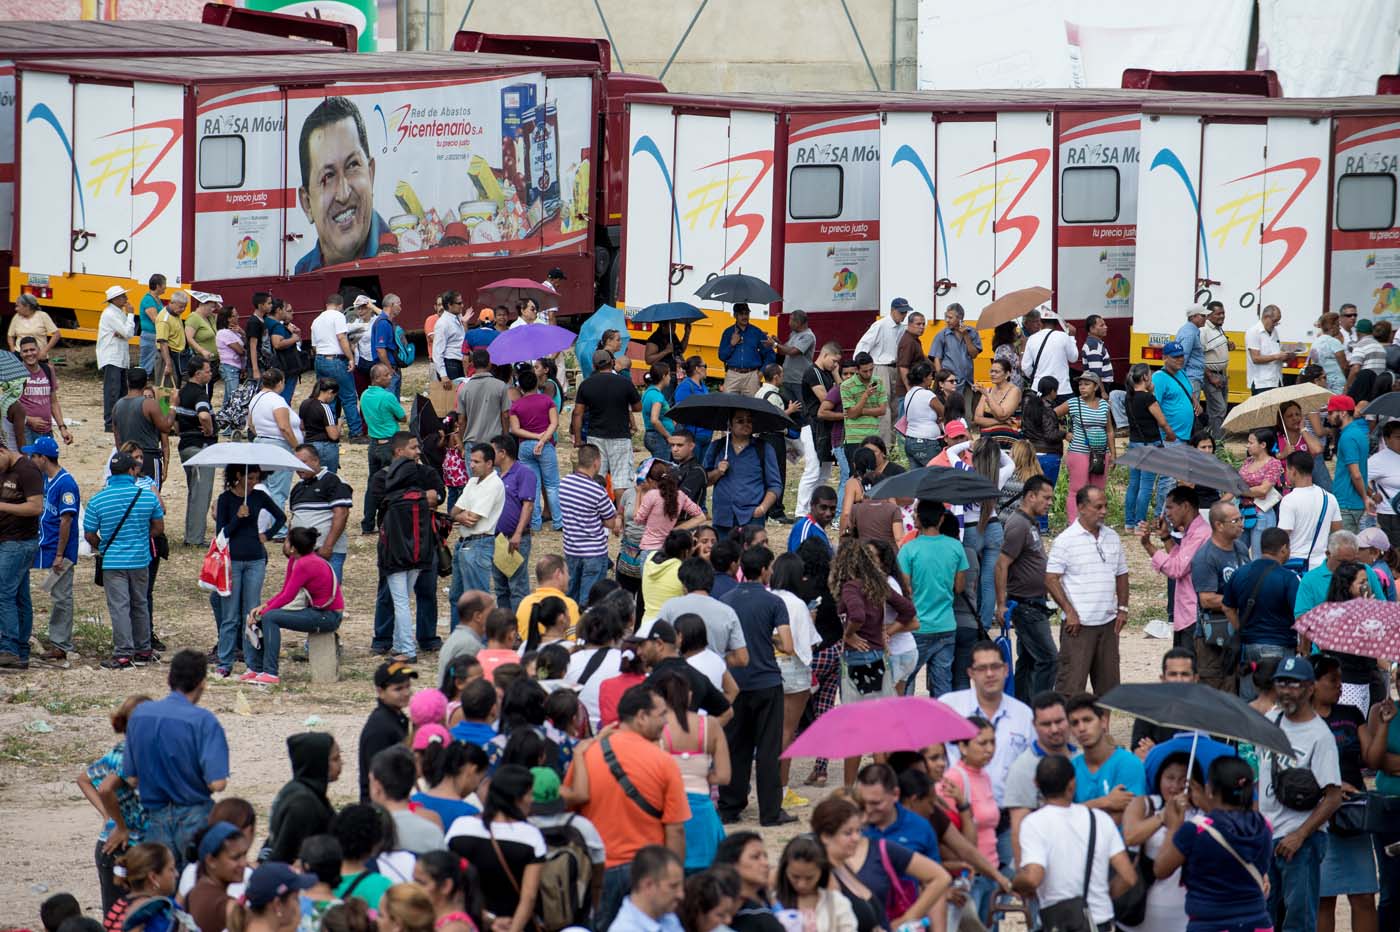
46,184
1365,228
1169,203
908,208
648,249
1025,216
966,185
748,223
1232,209
7,155
157,222
1294,231
105,154
705,189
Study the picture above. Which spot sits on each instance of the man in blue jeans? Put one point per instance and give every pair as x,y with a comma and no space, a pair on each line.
937,569
176,757
1300,835
331,342
476,512
588,515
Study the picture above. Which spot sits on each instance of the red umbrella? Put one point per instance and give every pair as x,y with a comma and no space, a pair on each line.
876,726
1363,627
511,290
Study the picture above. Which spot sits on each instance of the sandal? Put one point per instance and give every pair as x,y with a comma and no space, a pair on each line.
815,780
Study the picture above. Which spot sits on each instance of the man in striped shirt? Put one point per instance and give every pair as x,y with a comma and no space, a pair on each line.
119,522
588,515
1087,575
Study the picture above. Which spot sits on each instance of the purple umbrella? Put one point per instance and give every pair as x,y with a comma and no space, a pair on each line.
521,344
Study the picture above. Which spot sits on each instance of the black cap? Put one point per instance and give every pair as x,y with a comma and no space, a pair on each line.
558,273
662,631
394,671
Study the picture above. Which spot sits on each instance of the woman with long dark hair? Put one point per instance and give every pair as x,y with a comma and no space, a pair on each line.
922,409
548,624
665,508
1263,473
746,854
657,426
711,899
699,748
452,883
236,514
534,420
795,641
867,518
997,407
452,771
505,848
827,653
1352,581
694,384
804,884
1146,426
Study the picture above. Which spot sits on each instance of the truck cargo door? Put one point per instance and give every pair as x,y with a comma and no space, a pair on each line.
648,227
1232,210
1024,225
908,211
748,224
1365,241
966,184
705,189
1169,203
1293,251
106,156
157,208
48,208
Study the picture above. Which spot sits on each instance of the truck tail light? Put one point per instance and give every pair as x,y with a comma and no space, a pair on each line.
42,292
1152,352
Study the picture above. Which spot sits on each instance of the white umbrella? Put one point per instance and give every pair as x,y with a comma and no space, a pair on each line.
265,456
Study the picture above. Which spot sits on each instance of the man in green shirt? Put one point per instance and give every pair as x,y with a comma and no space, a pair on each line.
864,399
383,414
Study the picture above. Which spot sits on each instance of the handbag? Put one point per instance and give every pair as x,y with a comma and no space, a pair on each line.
903,893
901,426
1367,813
1073,915
1098,458
101,552
1131,907
216,572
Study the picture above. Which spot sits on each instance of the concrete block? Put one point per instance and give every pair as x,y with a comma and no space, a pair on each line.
324,655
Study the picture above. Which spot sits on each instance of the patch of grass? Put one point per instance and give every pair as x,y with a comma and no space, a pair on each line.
72,705
22,696
92,636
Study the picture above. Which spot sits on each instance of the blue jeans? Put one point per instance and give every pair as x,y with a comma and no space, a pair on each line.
245,594
231,375
1262,522
987,542
546,469
329,452
584,572
16,608
1165,483
1137,500
175,827
1037,657
617,882
1050,465
279,481
1294,885
337,562
396,383
471,569
148,353
655,444
346,400
1250,653
310,620
400,585
935,656
290,387
425,606
511,592
920,451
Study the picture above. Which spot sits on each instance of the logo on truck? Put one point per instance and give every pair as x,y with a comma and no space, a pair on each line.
982,200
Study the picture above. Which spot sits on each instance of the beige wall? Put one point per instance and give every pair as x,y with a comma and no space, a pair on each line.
736,45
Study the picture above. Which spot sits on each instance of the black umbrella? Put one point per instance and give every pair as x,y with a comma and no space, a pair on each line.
1185,464
738,289
1198,707
936,483
713,411
1387,405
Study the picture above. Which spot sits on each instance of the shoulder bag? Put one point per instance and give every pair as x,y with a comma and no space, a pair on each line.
1204,825
1295,788
1299,565
510,875
1073,915
902,893
102,551
1131,907
1035,366
624,781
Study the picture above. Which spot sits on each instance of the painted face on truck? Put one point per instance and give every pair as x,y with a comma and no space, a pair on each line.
339,195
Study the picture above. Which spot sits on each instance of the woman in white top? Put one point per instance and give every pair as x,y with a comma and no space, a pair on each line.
695,648
921,411
275,422
795,641
1144,824
600,628
699,749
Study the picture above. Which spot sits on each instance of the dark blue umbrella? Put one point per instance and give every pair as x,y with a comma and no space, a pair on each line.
678,311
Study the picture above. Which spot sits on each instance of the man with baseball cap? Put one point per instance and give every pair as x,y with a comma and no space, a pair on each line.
659,647
58,545
387,725
881,341
1299,824
272,890
1177,398
1193,346
114,329
1353,450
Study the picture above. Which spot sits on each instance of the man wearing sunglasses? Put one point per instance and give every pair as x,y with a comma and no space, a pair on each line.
1087,575
1347,313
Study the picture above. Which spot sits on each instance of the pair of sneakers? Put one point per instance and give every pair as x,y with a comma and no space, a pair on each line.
259,679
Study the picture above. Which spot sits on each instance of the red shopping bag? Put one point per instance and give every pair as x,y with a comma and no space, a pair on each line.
216,573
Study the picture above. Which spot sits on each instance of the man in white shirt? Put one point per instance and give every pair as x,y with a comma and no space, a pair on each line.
114,331
1263,352
1308,514
554,280
1217,347
1383,472
881,341
1048,351
1055,847
1347,313
1011,718
449,335
1021,797
330,341
1087,575
476,510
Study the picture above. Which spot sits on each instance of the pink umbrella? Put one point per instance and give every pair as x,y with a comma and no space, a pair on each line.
1364,627
876,726
511,290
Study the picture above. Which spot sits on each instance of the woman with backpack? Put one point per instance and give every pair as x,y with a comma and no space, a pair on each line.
506,849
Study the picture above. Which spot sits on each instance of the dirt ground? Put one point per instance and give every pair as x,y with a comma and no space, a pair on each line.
53,722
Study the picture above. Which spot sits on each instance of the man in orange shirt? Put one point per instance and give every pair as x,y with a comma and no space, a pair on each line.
635,799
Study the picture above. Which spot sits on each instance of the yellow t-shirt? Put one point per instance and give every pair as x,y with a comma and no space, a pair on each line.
527,604
171,330
661,582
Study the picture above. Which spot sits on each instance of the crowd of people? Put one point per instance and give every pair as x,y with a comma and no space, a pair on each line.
601,715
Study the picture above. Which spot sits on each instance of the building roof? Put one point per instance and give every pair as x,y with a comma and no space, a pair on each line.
26,39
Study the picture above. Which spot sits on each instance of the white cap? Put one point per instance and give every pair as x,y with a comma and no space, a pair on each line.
362,300
115,291
1195,309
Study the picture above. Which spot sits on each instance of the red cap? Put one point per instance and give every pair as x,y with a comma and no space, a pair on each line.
1341,403
955,428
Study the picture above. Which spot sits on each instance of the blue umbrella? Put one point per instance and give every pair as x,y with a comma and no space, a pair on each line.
607,317
1206,751
522,344
678,311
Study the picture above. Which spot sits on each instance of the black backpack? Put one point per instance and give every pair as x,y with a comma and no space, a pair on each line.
407,538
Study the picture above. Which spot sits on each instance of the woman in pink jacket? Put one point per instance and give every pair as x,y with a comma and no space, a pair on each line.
310,601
